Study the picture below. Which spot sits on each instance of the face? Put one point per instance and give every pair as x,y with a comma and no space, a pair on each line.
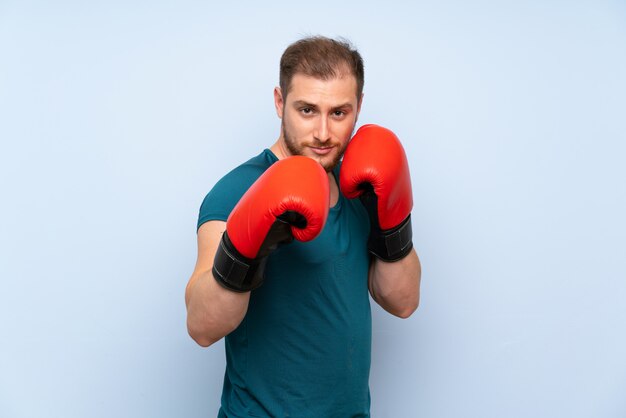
318,117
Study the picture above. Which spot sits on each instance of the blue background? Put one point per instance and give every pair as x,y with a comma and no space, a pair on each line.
116,118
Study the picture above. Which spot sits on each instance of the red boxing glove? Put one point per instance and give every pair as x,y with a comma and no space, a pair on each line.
376,170
289,200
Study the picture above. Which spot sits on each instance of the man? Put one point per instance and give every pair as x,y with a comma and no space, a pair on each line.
295,312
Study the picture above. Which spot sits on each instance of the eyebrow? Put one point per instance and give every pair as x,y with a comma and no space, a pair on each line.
303,103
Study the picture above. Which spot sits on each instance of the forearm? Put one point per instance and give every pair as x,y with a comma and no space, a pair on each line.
395,286
213,311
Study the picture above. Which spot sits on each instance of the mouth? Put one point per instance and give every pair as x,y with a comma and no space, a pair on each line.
321,150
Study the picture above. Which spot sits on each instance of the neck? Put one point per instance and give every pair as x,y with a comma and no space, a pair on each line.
279,149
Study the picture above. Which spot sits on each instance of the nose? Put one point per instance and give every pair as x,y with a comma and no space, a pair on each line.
323,130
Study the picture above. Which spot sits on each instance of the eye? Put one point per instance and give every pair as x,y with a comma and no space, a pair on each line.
339,113
306,110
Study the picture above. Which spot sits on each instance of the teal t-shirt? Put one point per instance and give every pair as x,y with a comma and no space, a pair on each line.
304,347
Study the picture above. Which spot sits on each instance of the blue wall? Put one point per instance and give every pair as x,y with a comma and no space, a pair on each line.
117,118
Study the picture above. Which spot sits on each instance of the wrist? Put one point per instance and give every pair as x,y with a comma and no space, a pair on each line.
234,271
391,244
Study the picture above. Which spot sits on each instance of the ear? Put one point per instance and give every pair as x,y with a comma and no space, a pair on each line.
279,104
358,106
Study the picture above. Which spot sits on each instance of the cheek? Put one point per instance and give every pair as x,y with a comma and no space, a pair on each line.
292,126
344,130
302,127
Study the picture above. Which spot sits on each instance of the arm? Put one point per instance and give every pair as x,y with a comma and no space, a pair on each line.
212,310
395,286
375,169
289,200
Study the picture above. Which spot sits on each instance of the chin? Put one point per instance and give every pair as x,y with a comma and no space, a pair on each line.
329,164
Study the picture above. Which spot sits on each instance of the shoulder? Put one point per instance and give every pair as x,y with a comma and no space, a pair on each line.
247,172
225,194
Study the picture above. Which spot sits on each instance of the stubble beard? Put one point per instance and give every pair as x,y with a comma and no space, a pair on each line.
295,149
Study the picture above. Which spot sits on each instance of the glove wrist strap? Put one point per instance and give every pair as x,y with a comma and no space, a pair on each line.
234,271
391,244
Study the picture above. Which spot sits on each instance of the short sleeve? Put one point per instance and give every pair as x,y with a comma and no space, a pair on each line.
223,197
